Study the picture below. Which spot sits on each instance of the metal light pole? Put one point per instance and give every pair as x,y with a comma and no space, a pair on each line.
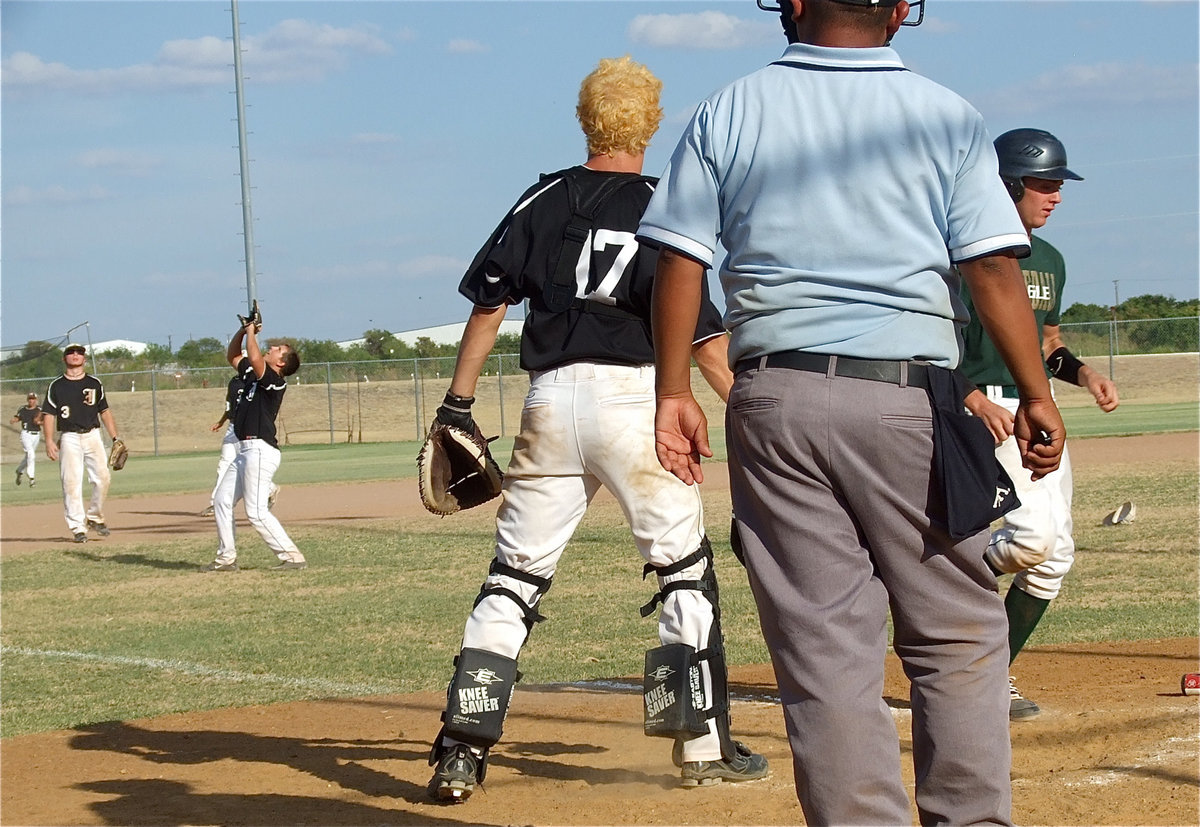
247,216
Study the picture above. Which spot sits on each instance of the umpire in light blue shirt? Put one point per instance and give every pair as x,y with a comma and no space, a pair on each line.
846,189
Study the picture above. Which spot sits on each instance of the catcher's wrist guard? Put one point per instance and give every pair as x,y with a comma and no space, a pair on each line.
456,410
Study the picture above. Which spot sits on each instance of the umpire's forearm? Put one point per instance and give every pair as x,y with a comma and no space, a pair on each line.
674,309
1001,300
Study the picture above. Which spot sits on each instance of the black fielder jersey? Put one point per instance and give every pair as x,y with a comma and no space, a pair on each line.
76,404
254,416
612,271
29,418
233,395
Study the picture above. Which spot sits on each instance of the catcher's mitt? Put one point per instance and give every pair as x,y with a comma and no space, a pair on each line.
119,455
255,317
455,470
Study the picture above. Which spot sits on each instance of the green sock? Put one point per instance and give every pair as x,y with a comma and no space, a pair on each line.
1024,611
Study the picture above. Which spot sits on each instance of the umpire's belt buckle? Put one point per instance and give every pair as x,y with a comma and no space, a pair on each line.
904,374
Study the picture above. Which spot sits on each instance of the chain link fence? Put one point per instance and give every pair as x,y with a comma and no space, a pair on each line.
1124,337
171,410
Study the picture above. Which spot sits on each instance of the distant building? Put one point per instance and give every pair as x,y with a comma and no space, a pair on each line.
136,348
446,334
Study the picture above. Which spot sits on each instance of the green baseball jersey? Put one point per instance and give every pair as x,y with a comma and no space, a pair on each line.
1045,275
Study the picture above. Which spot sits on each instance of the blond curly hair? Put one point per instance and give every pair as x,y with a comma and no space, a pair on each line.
618,107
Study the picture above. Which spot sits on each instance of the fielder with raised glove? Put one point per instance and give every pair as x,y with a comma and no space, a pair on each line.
455,468
119,455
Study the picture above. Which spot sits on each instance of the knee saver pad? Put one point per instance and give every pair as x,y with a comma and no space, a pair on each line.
676,703
478,697
673,693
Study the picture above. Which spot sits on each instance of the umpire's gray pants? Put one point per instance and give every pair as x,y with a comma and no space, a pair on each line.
831,485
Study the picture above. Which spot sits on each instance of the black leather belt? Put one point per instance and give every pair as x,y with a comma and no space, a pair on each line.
911,374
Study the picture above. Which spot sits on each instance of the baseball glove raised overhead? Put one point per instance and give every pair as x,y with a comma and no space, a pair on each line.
255,317
455,470
119,455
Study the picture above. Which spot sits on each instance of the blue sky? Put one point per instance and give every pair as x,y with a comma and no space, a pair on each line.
388,138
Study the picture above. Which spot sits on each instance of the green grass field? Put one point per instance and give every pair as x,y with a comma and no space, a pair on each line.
92,636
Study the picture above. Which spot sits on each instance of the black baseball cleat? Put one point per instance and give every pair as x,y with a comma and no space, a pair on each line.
32,482
743,766
101,528
454,779
290,565
80,536
1019,707
18,478
217,565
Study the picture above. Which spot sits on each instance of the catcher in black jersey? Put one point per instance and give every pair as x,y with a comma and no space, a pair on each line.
74,407
567,249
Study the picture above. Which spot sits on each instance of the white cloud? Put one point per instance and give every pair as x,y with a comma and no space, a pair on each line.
462,46
1101,84
291,50
702,30
133,164
55,196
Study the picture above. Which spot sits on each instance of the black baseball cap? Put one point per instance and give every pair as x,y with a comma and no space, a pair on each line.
75,347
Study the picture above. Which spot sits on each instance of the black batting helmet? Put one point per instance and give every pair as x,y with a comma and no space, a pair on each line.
784,9
1031,153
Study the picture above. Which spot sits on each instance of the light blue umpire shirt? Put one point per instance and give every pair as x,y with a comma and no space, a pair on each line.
842,186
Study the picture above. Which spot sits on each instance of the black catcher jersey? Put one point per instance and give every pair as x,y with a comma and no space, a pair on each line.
254,416
609,321
76,404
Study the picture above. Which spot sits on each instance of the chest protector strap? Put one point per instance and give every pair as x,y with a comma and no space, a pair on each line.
558,293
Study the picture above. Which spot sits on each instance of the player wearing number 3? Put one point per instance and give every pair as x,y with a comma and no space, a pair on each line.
567,249
74,407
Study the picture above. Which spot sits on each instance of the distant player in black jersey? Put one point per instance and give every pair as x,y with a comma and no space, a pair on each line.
74,407
567,248
30,418
252,473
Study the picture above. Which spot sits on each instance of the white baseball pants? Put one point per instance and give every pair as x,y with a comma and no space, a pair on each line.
1040,526
29,441
229,444
77,452
583,426
249,477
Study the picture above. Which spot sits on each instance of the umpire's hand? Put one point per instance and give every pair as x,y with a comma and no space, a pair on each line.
681,437
1041,436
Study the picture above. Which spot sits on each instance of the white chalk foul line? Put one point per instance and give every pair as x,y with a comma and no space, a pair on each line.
318,685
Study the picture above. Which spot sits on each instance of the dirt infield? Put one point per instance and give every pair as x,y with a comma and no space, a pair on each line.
1117,742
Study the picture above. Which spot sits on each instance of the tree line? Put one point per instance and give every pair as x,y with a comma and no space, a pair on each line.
40,359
